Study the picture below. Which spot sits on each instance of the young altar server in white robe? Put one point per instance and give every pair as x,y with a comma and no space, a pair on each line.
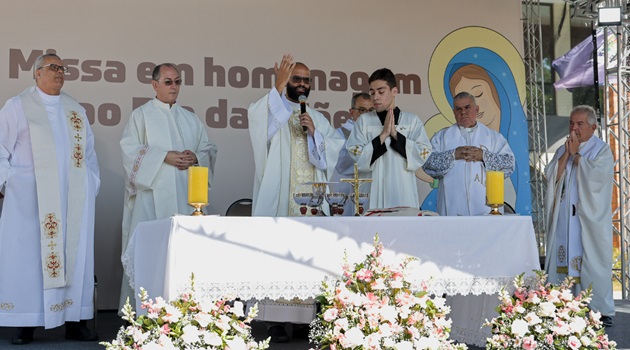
160,142
461,155
579,212
361,103
290,148
390,144
50,177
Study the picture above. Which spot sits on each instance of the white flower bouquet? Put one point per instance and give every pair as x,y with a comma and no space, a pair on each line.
187,323
374,306
546,316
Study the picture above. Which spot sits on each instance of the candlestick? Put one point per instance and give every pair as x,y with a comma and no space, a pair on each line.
494,187
494,190
198,188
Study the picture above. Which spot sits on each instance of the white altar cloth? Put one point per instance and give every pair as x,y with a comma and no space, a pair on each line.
264,257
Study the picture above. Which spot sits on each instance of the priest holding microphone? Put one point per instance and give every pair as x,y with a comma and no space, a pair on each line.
293,144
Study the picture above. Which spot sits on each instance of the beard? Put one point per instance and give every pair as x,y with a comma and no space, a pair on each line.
292,93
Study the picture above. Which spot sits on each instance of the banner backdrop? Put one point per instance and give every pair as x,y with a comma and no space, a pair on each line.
226,51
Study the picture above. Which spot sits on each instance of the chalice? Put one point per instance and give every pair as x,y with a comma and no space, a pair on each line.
336,201
302,199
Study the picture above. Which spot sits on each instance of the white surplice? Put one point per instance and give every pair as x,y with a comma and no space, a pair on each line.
579,204
462,185
153,189
271,123
24,300
393,177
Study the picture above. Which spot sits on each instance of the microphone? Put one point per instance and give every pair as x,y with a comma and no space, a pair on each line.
302,100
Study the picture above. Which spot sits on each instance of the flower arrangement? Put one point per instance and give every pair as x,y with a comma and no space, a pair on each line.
187,323
373,306
546,316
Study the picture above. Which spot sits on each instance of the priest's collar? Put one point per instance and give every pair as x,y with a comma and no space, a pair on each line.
469,130
289,103
41,92
383,114
46,98
165,105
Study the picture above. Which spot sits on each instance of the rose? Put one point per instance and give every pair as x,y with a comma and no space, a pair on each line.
331,314
519,328
547,309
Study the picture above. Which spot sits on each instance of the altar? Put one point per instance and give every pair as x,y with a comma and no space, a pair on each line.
467,258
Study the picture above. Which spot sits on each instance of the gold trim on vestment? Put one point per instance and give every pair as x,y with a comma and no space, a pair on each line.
6,306
302,170
78,151
61,306
52,261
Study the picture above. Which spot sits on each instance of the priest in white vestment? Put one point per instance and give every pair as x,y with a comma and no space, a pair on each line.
462,153
160,142
579,212
49,175
361,103
291,149
389,145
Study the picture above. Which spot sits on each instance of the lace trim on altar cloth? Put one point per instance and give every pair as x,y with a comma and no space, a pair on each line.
304,290
310,289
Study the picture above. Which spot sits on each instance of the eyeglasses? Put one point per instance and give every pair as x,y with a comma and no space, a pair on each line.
55,67
296,79
169,82
362,110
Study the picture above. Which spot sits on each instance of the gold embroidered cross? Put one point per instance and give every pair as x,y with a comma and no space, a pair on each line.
78,137
424,153
355,150
51,245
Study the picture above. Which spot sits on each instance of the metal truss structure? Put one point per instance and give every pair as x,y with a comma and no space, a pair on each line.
615,128
615,119
535,111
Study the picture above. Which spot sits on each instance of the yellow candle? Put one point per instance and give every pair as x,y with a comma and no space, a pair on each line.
198,184
494,187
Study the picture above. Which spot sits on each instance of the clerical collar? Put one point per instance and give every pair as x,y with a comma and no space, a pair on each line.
165,104
469,130
48,99
383,114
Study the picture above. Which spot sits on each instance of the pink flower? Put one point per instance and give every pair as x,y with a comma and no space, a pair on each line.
165,329
365,275
574,343
330,314
529,343
549,339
